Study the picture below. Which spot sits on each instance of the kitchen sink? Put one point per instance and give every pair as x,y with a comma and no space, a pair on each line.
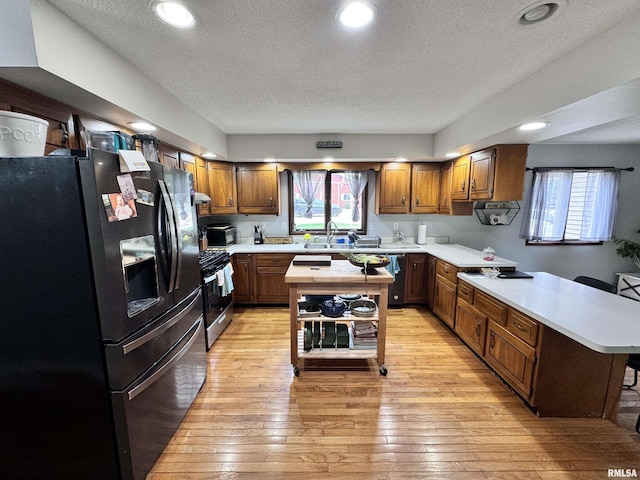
316,246
325,246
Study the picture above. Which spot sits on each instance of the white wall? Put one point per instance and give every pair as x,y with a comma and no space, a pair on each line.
566,261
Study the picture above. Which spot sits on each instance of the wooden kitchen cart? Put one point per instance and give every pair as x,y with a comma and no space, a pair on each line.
341,277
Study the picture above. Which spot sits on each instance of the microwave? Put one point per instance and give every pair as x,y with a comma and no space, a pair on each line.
221,235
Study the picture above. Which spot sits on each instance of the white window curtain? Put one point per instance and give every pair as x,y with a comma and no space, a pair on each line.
309,183
565,200
601,203
356,181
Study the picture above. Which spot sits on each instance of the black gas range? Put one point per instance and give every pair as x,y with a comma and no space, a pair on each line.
218,301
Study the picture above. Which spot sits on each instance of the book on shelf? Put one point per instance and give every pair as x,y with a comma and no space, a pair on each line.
364,329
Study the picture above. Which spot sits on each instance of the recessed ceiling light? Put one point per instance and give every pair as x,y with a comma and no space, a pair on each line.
533,126
174,13
452,154
142,126
537,12
356,14
208,155
269,160
401,159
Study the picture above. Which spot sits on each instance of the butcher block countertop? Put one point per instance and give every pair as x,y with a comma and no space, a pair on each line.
601,321
340,272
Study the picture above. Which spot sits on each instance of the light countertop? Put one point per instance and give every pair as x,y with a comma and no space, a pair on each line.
602,321
457,255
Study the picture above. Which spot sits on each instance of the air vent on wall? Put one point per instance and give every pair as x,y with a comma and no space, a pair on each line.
497,213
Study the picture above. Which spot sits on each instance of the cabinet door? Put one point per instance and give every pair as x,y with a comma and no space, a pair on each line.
415,290
222,188
243,278
425,187
431,280
512,358
444,301
168,157
481,175
64,124
445,188
509,172
460,179
258,189
394,184
471,326
202,185
270,272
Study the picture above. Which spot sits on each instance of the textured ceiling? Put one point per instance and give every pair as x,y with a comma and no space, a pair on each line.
285,66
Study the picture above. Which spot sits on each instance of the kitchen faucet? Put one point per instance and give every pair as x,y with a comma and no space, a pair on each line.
331,230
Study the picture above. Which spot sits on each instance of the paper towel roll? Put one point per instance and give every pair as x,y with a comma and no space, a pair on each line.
422,234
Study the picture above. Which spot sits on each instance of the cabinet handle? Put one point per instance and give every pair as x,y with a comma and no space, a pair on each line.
478,330
404,200
462,186
417,202
230,202
473,184
492,340
520,327
65,133
415,266
271,201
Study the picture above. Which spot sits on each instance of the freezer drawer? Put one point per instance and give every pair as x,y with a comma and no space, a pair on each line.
148,413
130,358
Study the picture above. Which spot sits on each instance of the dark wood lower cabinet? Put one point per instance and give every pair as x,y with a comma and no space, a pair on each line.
415,291
555,375
243,278
511,357
471,326
270,272
444,300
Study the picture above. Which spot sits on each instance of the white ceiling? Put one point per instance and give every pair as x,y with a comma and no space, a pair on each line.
423,67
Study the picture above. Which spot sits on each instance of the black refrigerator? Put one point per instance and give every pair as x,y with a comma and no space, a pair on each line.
102,347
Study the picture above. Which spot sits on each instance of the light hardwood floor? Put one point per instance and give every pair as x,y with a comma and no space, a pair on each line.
439,414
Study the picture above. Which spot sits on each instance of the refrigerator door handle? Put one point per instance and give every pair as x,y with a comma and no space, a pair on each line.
167,208
178,236
134,392
138,342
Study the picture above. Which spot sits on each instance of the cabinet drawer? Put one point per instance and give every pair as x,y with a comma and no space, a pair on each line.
522,327
465,292
273,260
447,271
492,308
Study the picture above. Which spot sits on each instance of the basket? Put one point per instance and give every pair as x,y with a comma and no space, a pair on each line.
363,308
22,135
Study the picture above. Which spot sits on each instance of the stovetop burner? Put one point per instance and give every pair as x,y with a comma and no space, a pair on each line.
212,260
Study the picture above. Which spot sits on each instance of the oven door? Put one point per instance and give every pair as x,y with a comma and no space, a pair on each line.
218,310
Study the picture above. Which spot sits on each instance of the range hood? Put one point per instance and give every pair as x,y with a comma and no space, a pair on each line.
497,213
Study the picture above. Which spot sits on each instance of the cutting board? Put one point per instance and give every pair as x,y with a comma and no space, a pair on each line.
313,260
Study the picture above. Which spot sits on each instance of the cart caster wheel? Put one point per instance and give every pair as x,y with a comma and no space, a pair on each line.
383,370
296,371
